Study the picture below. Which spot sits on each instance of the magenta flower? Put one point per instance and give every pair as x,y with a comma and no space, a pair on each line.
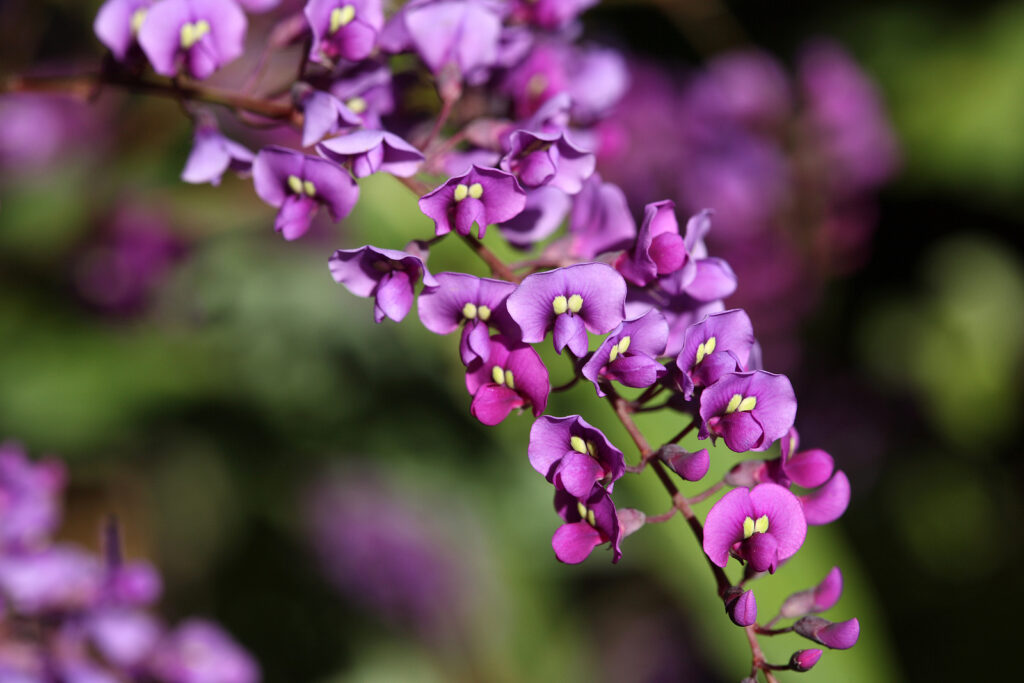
715,346
118,22
547,158
513,376
482,196
689,466
826,504
803,660
741,606
197,36
750,410
343,29
629,354
212,155
199,651
588,296
660,248
838,636
298,184
588,524
573,455
814,600
386,274
323,115
365,152
763,526
475,303
811,469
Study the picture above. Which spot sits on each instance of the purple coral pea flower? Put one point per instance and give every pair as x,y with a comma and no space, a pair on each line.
827,503
482,196
689,466
750,410
589,523
460,33
570,301
513,376
601,220
838,636
297,184
548,158
345,29
29,498
124,636
660,248
197,35
573,455
804,660
199,651
212,155
550,14
364,152
763,526
629,354
118,22
813,600
546,208
718,344
56,579
323,115
473,302
387,274
812,469
365,89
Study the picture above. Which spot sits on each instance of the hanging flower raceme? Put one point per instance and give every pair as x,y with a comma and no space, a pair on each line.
482,196
343,29
749,410
298,184
763,526
196,37
588,524
477,304
573,455
629,354
388,275
570,301
513,376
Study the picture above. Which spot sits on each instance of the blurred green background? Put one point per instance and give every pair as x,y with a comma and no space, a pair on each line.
250,386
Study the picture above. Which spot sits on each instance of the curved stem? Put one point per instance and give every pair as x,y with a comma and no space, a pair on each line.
704,495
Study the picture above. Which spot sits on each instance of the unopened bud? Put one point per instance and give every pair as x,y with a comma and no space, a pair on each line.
838,636
744,473
741,606
803,660
630,520
689,466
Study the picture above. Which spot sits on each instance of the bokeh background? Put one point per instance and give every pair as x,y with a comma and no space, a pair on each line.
315,482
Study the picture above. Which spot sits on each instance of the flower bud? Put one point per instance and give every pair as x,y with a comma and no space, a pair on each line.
741,606
744,473
630,520
814,600
689,466
803,660
839,636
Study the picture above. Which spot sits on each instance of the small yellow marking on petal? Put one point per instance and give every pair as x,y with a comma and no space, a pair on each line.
560,304
510,380
575,303
138,17
498,375
342,16
591,520
461,192
591,449
202,28
295,184
578,444
709,346
476,190
748,527
734,403
582,509
357,105
747,404
614,353
537,84
624,344
761,524
309,188
188,35
484,312
469,311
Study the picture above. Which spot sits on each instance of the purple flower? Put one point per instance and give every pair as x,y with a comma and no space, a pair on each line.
803,660
601,220
812,469
199,651
118,23
573,455
124,636
513,376
213,154
551,14
482,196
660,249
814,600
547,158
763,526
460,33
546,208
476,303
750,410
629,354
838,636
689,466
386,274
298,184
323,115
589,523
588,296
827,503
29,498
365,152
715,346
365,89
59,578
345,29
741,606
199,35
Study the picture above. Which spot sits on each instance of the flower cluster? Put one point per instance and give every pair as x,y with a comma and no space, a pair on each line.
70,615
515,143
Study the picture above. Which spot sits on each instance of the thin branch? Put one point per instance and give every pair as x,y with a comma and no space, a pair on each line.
704,495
